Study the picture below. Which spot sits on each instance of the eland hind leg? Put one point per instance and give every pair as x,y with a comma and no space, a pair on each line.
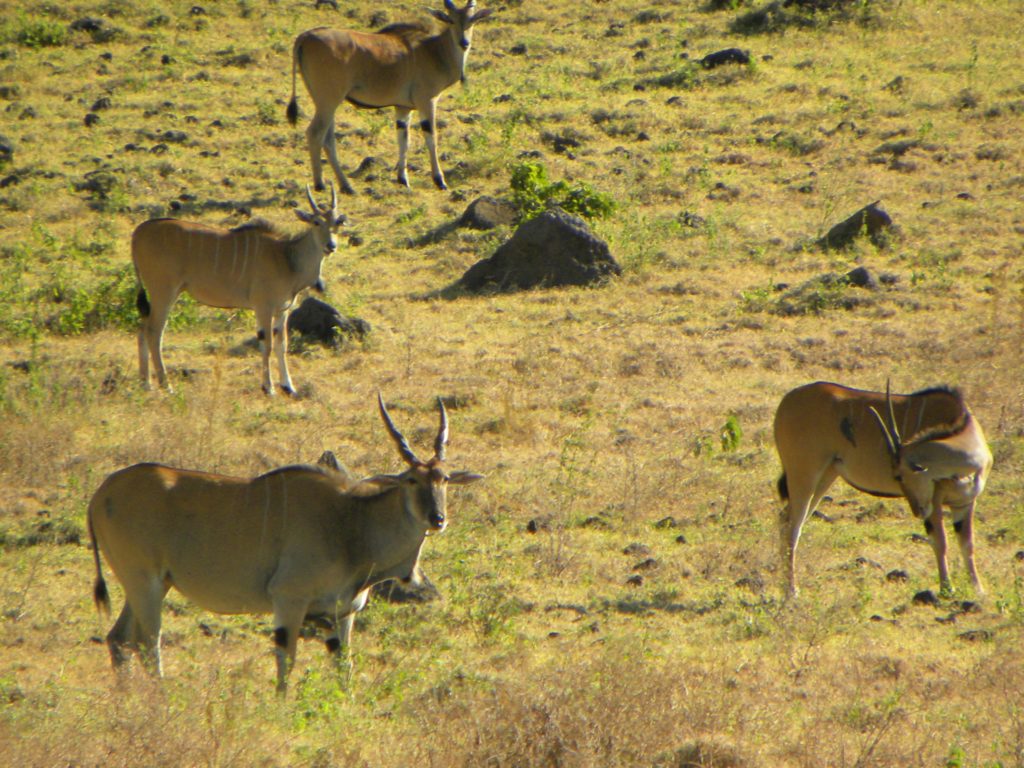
803,493
151,333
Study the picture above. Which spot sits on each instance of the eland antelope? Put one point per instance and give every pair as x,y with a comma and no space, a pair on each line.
296,542
403,66
824,431
250,267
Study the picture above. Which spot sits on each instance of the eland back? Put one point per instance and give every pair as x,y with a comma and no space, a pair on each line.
249,267
404,66
296,542
824,431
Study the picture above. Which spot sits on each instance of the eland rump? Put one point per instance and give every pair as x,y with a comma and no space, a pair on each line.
248,267
824,431
402,66
297,542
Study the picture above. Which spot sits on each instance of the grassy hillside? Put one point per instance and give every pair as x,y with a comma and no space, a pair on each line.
612,593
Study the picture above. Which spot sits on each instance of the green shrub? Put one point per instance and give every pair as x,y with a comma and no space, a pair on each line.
533,193
39,33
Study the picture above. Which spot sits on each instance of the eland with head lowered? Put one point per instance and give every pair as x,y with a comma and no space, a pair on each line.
249,267
928,448
405,66
296,542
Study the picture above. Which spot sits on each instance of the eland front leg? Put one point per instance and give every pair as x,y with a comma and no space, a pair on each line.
429,127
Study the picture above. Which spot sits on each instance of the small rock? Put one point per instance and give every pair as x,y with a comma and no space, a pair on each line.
103,102
974,635
91,119
636,548
667,522
635,581
926,597
897,575
646,565
726,56
489,212
871,220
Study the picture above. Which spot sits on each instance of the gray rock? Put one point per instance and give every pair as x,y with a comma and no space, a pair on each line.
489,212
871,220
553,249
320,321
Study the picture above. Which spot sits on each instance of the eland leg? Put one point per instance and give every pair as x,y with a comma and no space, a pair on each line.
264,335
280,344
288,618
937,538
152,331
144,598
429,127
339,644
963,524
402,129
804,495
330,146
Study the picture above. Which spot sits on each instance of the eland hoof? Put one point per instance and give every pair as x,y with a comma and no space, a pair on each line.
439,182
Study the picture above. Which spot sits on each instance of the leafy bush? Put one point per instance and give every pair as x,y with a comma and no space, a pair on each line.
39,33
533,193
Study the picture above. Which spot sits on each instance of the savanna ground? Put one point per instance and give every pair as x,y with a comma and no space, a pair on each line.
631,423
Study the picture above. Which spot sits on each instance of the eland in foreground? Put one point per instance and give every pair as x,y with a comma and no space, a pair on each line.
296,542
929,449
249,267
404,66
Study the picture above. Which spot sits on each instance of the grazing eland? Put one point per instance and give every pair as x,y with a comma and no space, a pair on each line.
298,542
824,431
403,66
249,267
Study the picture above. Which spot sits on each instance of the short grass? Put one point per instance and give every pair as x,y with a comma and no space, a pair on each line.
636,413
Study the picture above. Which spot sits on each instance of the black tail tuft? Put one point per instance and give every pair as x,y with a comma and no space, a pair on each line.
142,302
101,597
293,111
783,487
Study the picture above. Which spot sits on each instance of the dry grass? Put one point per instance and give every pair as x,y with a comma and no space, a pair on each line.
596,414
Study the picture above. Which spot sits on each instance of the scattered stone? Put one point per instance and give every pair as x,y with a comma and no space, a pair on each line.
649,564
489,212
974,635
370,169
394,591
103,102
871,220
10,92
329,3
969,606
1019,556
754,583
318,320
680,539
635,581
636,548
705,753
91,119
553,249
897,576
667,522
926,597
537,524
519,49
174,137
726,56
86,24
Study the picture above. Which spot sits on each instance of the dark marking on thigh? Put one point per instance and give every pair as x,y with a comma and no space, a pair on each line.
846,427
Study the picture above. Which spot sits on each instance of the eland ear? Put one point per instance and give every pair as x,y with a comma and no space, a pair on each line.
480,15
440,16
307,218
463,478
385,481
